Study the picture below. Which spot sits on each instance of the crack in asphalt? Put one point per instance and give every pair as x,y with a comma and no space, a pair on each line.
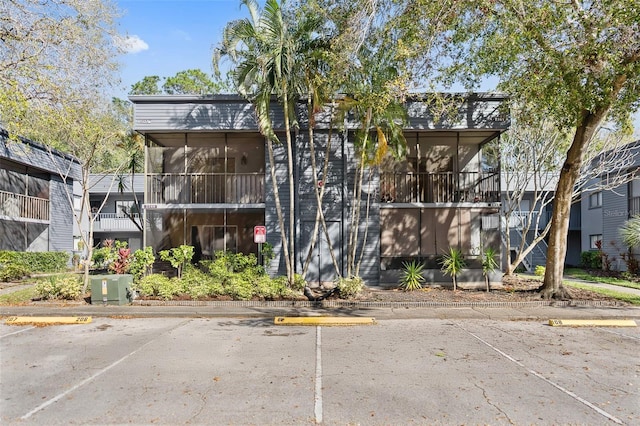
486,398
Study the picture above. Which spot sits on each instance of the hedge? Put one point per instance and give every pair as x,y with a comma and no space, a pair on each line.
35,262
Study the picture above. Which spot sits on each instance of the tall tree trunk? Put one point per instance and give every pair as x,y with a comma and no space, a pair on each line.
319,193
276,197
557,251
292,251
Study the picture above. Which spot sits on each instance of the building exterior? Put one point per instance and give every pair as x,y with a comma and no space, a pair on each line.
605,211
36,211
114,201
207,184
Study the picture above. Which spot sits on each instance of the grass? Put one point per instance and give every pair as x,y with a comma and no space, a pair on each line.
626,297
18,297
584,275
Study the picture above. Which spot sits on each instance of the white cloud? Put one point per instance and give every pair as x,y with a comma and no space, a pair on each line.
131,44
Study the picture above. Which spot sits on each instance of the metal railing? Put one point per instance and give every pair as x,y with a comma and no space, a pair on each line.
205,188
444,187
23,206
115,222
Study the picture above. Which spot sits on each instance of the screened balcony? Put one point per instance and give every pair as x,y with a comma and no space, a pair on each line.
18,206
205,188
441,187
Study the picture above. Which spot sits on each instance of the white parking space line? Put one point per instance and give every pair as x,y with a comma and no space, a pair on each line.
540,376
97,374
318,388
17,332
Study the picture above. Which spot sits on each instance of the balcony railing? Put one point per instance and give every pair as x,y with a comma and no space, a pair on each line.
18,206
115,222
445,187
205,188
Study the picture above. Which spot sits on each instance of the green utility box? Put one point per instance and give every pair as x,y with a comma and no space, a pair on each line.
111,289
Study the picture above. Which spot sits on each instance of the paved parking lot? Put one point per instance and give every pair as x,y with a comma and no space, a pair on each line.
249,371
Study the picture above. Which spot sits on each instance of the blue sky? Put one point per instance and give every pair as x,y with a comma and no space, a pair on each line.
167,36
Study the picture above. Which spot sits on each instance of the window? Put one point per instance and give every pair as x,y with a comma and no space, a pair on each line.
595,200
594,241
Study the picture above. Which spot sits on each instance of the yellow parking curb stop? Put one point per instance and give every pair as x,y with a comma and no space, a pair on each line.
323,321
47,320
592,323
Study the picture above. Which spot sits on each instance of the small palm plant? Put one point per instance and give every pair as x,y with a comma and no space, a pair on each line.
412,278
489,264
452,264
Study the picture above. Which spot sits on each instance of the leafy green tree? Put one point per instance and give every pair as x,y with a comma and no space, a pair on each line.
574,63
149,85
54,53
190,82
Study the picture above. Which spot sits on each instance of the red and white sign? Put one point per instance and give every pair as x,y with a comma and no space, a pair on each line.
259,234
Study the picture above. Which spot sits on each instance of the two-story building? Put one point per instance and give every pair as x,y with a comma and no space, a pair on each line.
207,184
604,211
36,196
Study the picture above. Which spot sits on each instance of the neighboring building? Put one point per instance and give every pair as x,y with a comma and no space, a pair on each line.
605,211
596,216
208,185
35,209
114,202
531,209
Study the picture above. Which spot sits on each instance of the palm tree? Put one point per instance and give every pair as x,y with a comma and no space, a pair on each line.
264,53
382,116
489,264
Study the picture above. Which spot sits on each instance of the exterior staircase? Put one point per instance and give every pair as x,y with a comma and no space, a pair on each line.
537,256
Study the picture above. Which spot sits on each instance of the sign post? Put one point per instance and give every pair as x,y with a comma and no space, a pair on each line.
259,237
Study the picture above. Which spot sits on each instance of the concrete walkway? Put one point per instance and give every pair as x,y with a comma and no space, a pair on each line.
618,288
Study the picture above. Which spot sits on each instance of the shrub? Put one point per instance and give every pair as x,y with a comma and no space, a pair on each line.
591,260
142,262
102,257
67,287
349,287
489,264
121,264
270,289
238,288
149,285
34,262
198,284
169,288
412,278
452,264
13,272
178,257
539,270
299,283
